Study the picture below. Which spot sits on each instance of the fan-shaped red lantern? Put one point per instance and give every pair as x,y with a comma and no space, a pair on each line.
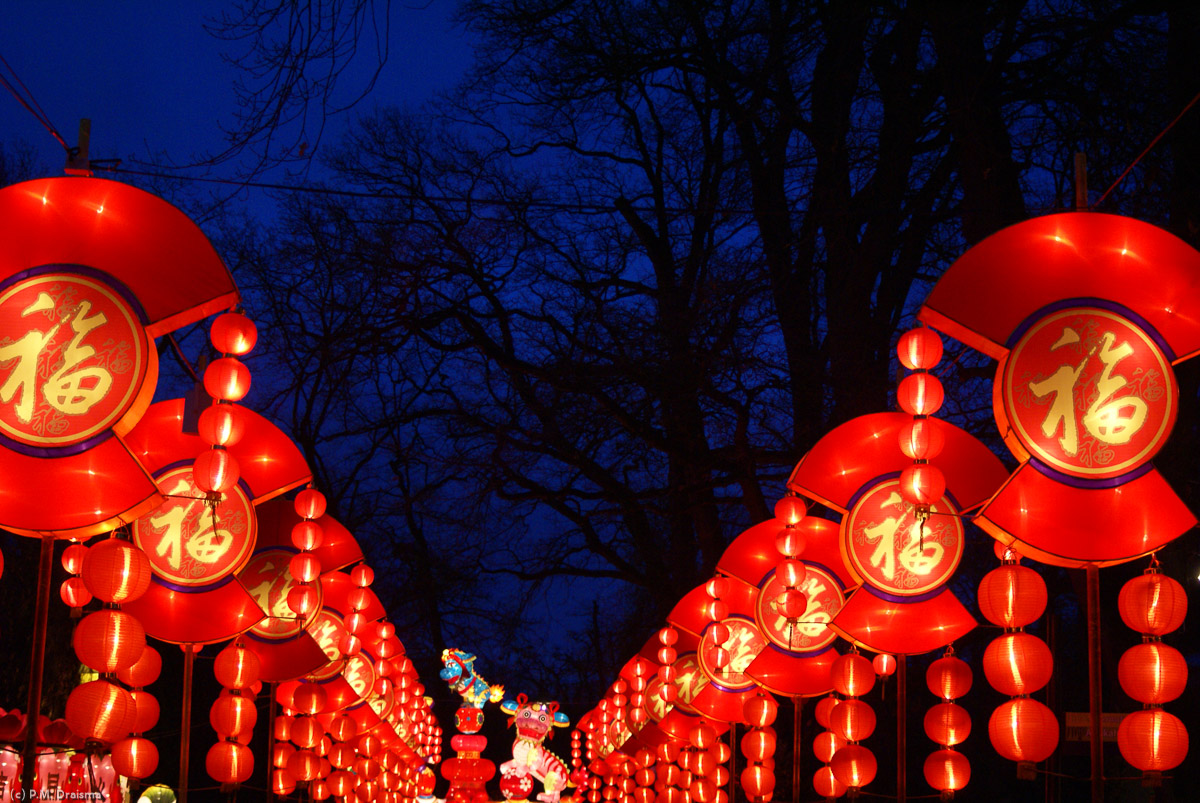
1153,604
1153,672
1153,740
853,720
826,783
949,677
222,424
232,714
229,762
852,674
233,333
947,724
115,570
919,349
1018,663
215,471
1023,729
100,710
920,394
947,770
854,766
227,379
109,640
826,745
1012,595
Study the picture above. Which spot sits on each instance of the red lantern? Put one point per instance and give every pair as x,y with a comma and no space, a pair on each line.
232,714
826,745
922,484
227,379
72,558
236,667
74,592
307,535
758,781
303,765
233,333
115,570
947,724
920,394
282,782
919,349
362,575
1153,673
947,770
109,640
100,710
758,744
1153,740
144,671
790,542
791,572
922,439
1152,603
135,757
826,783
884,664
1018,663
222,424
854,766
1023,729
790,510
1012,595
283,727
852,674
760,710
853,720
229,762
792,603
949,677
215,471
280,754
305,567
146,705
307,732
302,599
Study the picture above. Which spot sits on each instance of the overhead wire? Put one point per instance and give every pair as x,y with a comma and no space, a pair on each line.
1147,149
30,103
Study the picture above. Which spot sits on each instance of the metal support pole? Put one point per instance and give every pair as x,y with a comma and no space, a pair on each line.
797,746
37,662
901,730
272,710
185,724
1094,702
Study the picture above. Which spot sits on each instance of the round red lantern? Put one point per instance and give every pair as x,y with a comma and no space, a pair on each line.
310,504
236,667
222,424
362,575
305,567
947,770
109,640
280,754
232,714
147,711
922,484
282,727
282,782
1153,740
144,671
1012,595
758,744
74,593
1023,729
922,438
1017,663
134,757
100,710
790,510
115,570
884,664
826,745
307,535
791,572
307,732
1152,603
826,783
233,333
215,471
72,558
920,394
854,766
824,709
919,349
343,728
792,603
758,781
949,677
341,756
853,720
760,710
852,674
227,379
229,762
303,599
1153,672
947,724
341,783
790,542
303,765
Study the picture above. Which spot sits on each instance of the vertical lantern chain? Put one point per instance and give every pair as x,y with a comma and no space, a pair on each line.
222,424
948,724
73,590
758,746
920,394
826,746
791,602
233,714
854,766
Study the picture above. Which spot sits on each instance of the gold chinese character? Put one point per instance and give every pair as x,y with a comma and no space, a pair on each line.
913,556
207,544
72,390
25,351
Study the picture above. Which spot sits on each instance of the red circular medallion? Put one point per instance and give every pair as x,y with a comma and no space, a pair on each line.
689,680
744,644
1087,392
74,360
888,548
810,632
269,580
359,672
327,628
190,542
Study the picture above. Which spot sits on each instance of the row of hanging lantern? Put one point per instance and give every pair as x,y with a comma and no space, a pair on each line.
233,715
222,424
758,746
920,394
948,724
852,719
825,747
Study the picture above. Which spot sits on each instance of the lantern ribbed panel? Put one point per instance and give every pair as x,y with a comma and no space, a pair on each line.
115,570
919,349
854,766
1018,663
852,674
229,762
1012,596
826,745
1153,673
1153,740
109,640
947,724
100,710
949,677
1153,604
1023,730
853,720
135,757
826,784
947,770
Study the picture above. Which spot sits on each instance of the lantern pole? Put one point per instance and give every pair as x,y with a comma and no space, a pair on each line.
1094,700
185,732
901,730
37,662
271,712
797,710
733,747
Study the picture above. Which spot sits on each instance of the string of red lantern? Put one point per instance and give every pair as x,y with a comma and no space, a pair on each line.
576,752
666,672
948,724
227,380
1018,664
233,715
638,715
853,765
1152,673
645,776
826,746
73,590
920,394
307,535
136,756
758,746
791,571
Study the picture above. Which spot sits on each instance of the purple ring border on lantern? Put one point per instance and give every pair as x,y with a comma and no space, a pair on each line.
1098,303
806,654
193,589
883,595
1087,484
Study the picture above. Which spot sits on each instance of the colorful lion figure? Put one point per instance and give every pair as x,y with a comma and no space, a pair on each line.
534,722
458,671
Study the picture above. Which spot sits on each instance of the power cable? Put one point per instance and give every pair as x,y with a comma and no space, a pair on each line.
1149,147
30,103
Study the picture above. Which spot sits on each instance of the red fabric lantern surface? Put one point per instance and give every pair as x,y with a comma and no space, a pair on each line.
920,394
949,677
144,671
135,757
233,333
922,484
1153,673
215,471
853,720
826,784
854,766
947,724
147,711
758,744
227,379
947,770
232,714
222,424
1012,595
109,640
1018,663
1153,740
1023,729
760,711
922,439
303,765
115,570
919,349
236,667
826,745
74,592
824,711
853,675
100,710
307,732
758,781
1153,603
229,762
282,782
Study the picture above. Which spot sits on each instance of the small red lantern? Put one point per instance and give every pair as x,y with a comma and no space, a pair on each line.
222,424
72,558
305,567
362,575
109,640
309,698
826,745
282,782
144,671
1018,663
949,677
232,714
826,783
1153,740
310,504
100,710
758,744
792,603
790,510
229,762
236,667
147,711
852,674
227,379
134,757
307,535
1023,729
854,766
791,572
1012,595
303,765
233,333
307,732
919,349
758,781
947,770
824,709
947,724
884,664
922,483
1153,604
922,439
115,570
74,592
215,471
302,599
1153,673
853,720
920,394
760,710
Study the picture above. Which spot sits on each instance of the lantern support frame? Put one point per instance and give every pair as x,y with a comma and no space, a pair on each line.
185,720
1094,690
37,662
797,711
901,730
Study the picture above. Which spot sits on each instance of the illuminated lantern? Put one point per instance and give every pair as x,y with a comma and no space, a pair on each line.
884,664
307,535
280,754
147,711
343,728
760,710
282,782
758,744
303,600
826,783
1012,595
74,592
947,770
307,732
115,570
1152,740
922,484
109,640
792,603
758,781
144,671
1018,663
227,379
310,504
919,349
305,567
790,510
823,710
922,439
826,745
309,698
100,710
215,471
135,757
790,542
229,762
341,756
1153,604
1023,730
222,425
282,727
920,394
947,724
362,575
341,783
236,667
233,333
854,766
853,720
303,765
949,677
852,674
1153,673
232,714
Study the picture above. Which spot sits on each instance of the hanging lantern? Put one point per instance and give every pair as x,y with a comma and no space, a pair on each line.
884,664
307,732
1023,730
922,438
305,567
215,471
100,710
115,570
229,762
303,765
854,766
74,593
135,757
222,424
853,720
144,671
362,575
1017,663
826,745
232,714
920,394
852,674
302,600
947,724
109,640
827,785
1153,604
758,744
147,711
1153,673
1153,740
307,535
947,770
1012,595
758,781
760,710
233,333
919,349
922,484
227,379
824,709
236,667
